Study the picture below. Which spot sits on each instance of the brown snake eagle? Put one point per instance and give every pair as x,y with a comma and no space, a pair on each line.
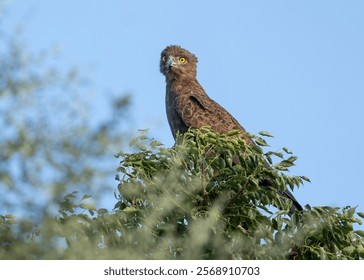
188,105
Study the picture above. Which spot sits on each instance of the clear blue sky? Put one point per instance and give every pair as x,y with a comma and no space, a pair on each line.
293,68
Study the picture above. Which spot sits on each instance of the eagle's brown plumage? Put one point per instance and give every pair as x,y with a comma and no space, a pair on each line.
188,105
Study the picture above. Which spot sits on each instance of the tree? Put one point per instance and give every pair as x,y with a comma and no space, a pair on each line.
191,202
50,142
198,204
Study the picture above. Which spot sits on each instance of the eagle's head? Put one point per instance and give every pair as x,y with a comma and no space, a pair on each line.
177,63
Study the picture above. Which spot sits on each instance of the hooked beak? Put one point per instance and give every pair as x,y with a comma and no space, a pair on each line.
171,61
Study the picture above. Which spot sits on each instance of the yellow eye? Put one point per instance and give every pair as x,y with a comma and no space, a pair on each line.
182,60
164,58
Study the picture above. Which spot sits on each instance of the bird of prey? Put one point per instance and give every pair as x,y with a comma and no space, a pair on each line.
188,105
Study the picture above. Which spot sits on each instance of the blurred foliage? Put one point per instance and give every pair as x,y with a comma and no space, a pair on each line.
53,140
191,202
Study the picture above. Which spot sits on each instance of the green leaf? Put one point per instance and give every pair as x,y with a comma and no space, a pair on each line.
287,151
229,146
133,141
268,157
351,211
130,210
155,143
265,133
349,250
71,195
9,216
257,149
275,224
277,154
281,167
86,196
233,132
102,211
292,159
360,232
87,206
305,178
261,142
143,131
323,254
361,214
142,147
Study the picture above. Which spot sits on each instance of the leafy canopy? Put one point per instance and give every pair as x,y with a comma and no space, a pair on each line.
192,201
